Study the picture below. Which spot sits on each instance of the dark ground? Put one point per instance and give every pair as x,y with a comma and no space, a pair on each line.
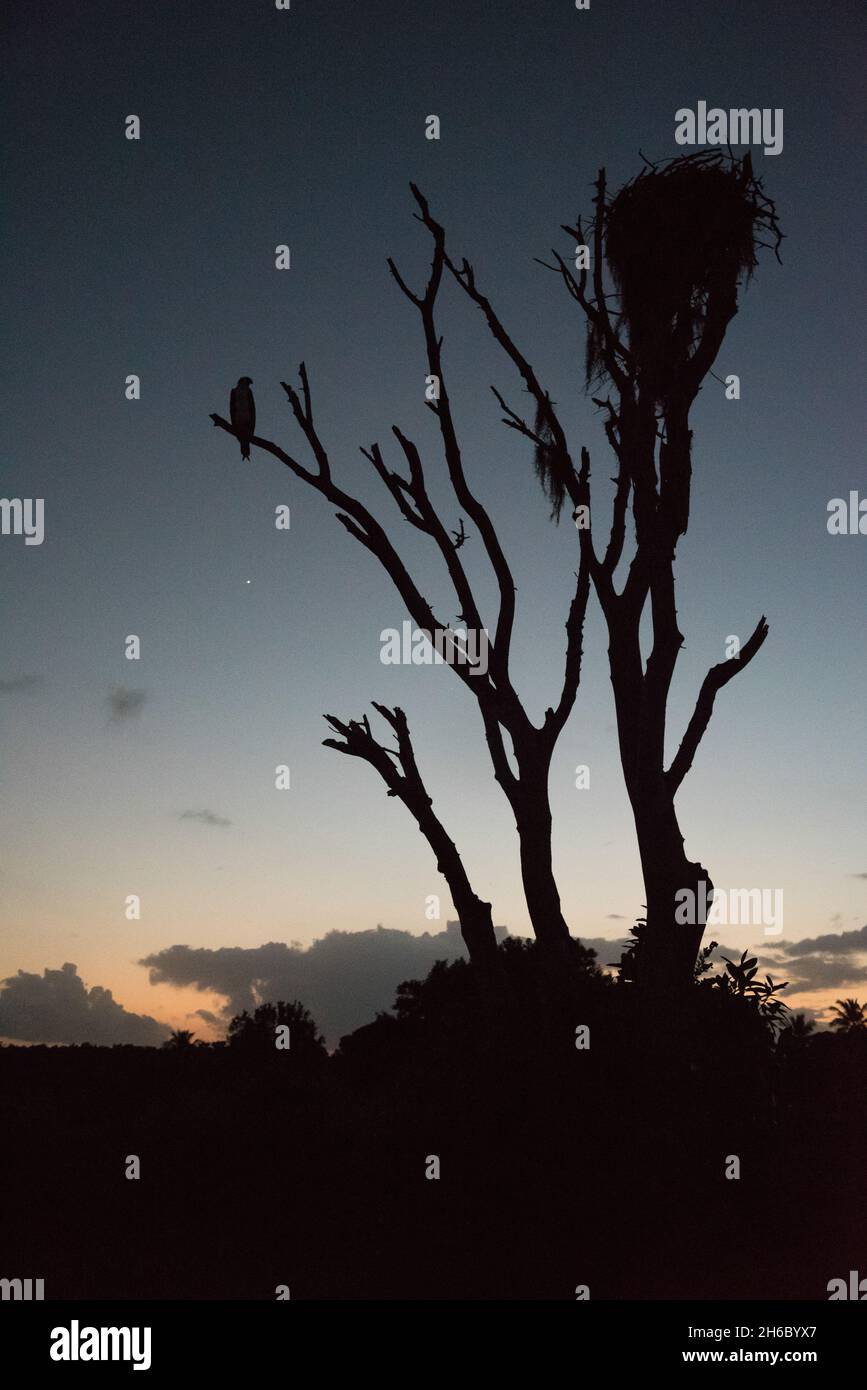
559,1167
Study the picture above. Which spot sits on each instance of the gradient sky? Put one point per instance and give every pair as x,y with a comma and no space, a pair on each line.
156,257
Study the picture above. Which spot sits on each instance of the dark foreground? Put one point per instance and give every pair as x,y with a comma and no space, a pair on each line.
559,1167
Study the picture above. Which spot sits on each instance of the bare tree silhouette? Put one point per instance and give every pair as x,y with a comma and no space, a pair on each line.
678,241
522,766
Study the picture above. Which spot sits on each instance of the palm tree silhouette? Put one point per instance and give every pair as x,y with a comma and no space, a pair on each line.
850,1016
181,1040
799,1027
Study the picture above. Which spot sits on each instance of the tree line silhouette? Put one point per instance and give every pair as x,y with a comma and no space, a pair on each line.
582,1139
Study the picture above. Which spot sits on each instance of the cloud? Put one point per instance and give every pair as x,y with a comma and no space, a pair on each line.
125,703
207,1016
858,875
344,978
812,972
204,817
836,944
608,949
615,917
13,684
57,1007
831,961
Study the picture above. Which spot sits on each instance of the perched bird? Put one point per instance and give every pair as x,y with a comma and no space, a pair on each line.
242,413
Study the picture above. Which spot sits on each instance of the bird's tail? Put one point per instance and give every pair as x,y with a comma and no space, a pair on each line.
245,449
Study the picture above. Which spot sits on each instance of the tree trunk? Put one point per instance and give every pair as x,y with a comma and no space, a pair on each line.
669,945
533,820
474,914
668,948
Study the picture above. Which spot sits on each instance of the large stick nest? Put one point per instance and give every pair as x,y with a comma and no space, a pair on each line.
679,240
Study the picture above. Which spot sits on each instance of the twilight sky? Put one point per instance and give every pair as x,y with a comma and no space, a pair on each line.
156,257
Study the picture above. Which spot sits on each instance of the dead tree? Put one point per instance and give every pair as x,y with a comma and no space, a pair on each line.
677,242
520,750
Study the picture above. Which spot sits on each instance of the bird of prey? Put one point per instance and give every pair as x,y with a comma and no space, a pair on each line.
242,413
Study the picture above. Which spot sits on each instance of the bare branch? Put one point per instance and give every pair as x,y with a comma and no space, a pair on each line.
358,742
304,416
575,287
363,526
615,346
465,277
405,782
614,351
278,453
514,422
499,650
436,529
614,549
555,719
414,299
356,531
399,487
716,678
305,387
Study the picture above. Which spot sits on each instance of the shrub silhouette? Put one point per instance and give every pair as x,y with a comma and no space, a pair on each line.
255,1035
